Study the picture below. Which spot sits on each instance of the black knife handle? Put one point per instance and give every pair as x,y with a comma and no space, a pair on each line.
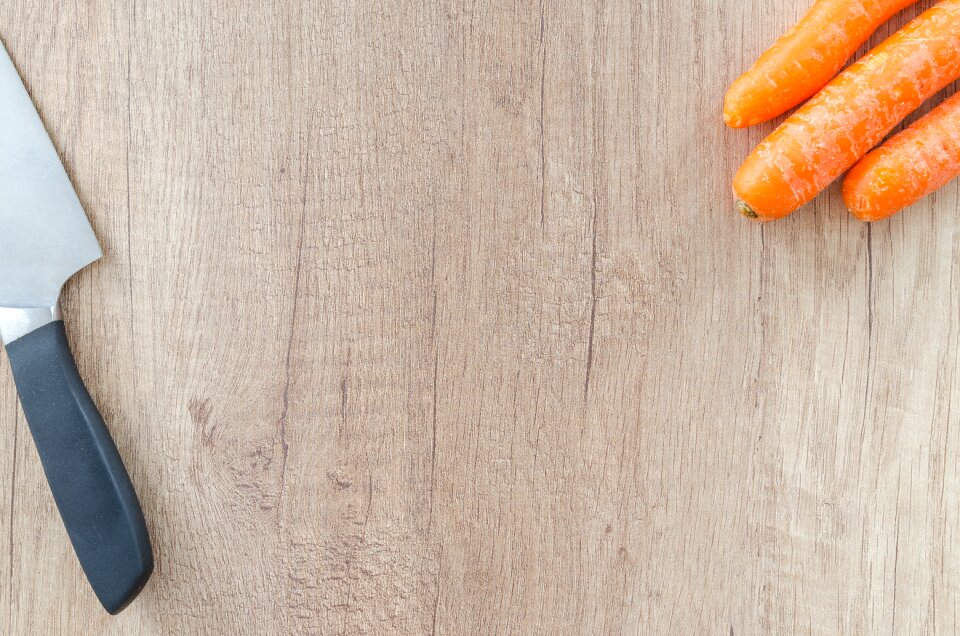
90,485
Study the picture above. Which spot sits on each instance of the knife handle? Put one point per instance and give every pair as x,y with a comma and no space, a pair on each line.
90,485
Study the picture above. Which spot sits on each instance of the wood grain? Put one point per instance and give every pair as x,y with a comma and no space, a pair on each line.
437,318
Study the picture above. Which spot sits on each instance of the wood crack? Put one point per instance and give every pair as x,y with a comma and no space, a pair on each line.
593,304
284,414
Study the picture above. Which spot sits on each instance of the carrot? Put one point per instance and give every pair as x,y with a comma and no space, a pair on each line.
805,58
850,115
908,167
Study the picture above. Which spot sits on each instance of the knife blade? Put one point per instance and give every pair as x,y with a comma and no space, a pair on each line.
45,238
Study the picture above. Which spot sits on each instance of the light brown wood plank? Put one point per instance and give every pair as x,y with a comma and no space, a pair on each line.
437,318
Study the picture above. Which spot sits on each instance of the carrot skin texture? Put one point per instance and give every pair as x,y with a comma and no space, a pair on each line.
851,114
805,58
909,166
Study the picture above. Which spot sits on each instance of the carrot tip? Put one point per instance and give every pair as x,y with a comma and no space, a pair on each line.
865,218
735,121
746,210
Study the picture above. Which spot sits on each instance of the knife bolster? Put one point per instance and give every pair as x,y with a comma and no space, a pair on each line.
16,322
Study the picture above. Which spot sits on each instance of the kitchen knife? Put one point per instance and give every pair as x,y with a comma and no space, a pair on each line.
45,239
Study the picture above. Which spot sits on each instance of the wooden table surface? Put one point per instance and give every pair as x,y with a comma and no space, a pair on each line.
437,317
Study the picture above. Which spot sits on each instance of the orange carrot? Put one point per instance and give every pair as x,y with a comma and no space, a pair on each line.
908,167
805,58
850,115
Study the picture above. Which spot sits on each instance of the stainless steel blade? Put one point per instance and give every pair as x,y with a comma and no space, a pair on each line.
45,237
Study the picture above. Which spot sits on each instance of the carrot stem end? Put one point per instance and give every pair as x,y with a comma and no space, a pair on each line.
746,210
